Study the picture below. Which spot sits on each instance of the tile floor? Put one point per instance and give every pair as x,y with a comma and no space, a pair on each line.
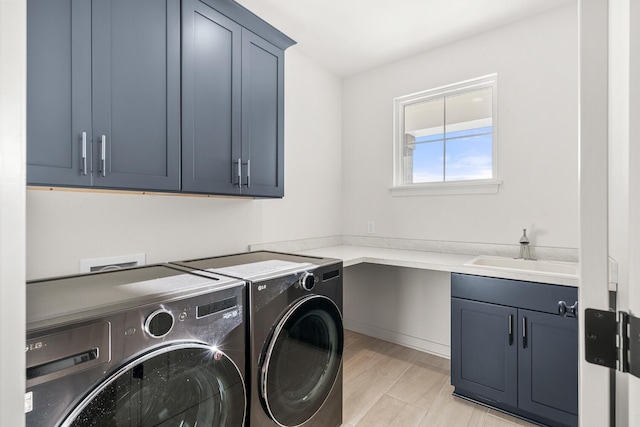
389,385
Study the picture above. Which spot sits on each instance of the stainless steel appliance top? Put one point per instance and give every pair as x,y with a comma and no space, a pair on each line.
256,266
72,298
262,270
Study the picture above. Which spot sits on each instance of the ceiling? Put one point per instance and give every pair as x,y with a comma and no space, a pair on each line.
349,36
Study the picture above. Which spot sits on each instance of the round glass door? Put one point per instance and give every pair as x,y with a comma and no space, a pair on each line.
302,361
186,385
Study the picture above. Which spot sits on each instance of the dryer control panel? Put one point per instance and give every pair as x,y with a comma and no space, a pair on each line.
73,350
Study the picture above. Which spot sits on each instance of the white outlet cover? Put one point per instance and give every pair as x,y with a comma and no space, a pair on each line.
86,265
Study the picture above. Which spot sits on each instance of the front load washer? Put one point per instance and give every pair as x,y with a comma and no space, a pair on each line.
148,346
296,336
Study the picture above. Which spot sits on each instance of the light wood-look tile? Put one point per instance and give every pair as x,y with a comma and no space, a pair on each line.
420,384
509,418
352,338
447,410
431,359
390,385
492,421
383,357
362,356
361,393
389,411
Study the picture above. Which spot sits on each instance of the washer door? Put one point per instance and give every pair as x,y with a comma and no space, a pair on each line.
302,361
186,384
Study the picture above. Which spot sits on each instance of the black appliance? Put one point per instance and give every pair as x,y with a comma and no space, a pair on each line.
296,335
148,346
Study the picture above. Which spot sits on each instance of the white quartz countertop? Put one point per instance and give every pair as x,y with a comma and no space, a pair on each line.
454,263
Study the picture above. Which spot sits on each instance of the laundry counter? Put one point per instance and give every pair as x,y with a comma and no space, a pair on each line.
435,261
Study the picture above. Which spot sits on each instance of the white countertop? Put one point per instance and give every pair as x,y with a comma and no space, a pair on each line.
454,263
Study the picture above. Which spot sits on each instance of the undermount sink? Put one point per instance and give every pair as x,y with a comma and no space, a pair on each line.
555,268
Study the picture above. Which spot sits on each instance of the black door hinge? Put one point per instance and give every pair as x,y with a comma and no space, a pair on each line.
612,340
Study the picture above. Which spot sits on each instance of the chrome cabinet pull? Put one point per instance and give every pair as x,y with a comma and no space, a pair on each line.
103,155
84,153
239,165
511,329
524,332
248,163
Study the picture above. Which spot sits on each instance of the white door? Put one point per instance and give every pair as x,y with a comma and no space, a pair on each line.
609,189
634,192
13,79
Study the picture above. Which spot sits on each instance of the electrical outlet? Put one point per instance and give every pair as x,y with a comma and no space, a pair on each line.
371,227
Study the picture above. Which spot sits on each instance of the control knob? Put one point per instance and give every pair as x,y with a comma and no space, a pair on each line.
159,323
307,281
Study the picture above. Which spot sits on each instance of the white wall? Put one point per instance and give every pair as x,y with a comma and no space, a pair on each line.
406,306
13,76
537,65
64,227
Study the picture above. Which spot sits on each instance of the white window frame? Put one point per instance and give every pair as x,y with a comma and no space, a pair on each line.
479,186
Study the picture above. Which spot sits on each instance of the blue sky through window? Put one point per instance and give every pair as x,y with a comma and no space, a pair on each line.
469,156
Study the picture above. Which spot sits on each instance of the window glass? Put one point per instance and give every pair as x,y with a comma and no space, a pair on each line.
469,158
428,165
447,134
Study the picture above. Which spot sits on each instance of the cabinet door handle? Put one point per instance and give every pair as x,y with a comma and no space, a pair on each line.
84,153
103,155
510,329
573,309
567,311
248,163
239,165
524,332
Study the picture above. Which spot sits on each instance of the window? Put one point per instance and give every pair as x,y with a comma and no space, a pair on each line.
445,139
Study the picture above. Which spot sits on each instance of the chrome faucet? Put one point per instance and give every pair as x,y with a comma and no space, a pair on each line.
525,252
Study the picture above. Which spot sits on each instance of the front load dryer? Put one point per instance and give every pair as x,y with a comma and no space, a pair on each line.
148,346
296,336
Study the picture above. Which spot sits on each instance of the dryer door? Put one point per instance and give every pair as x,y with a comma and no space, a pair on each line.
302,360
185,384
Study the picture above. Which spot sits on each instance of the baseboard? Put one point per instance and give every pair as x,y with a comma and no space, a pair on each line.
399,338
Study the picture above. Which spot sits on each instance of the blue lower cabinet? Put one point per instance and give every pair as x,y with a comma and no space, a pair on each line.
548,366
484,358
511,350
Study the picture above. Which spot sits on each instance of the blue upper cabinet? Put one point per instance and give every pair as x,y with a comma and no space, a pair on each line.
103,103
59,128
155,96
232,101
136,94
211,90
262,117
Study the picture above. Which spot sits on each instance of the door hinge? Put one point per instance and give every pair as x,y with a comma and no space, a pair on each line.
612,340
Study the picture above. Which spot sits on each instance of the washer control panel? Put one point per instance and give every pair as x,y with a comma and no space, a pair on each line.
307,281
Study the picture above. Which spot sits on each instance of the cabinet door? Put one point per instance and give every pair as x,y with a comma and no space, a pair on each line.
483,351
136,94
58,92
211,55
262,117
548,366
